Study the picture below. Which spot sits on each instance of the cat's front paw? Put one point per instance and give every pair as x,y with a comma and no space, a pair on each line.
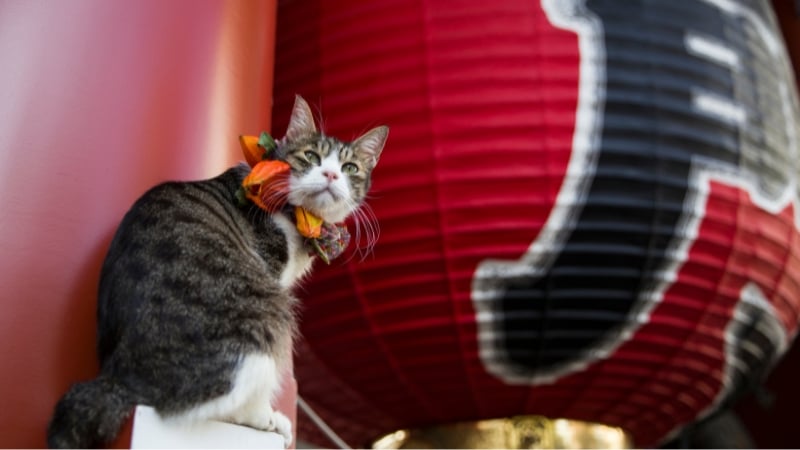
281,424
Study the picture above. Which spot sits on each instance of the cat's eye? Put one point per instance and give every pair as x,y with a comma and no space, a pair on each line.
312,157
349,168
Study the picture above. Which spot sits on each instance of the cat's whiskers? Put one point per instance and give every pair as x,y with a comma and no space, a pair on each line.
363,216
255,214
277,197
372,228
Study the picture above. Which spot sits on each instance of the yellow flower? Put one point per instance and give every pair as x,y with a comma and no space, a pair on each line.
308,224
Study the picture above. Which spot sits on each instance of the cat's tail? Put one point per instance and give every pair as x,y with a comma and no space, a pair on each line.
90,414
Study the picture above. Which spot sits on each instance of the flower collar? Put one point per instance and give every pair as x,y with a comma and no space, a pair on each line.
266,186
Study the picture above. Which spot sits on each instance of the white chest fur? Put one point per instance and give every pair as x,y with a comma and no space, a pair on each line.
300,261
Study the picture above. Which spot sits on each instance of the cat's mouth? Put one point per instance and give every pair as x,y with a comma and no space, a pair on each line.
326,192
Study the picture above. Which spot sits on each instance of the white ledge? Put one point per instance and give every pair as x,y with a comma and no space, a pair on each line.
151,431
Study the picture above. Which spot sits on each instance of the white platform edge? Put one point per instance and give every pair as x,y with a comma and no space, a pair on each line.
151,431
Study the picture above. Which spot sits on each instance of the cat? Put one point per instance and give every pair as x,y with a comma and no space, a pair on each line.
195,312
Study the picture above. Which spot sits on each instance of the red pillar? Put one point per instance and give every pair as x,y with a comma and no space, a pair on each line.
99,101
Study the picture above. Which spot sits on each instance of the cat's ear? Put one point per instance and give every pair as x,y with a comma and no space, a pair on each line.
370,144
302,121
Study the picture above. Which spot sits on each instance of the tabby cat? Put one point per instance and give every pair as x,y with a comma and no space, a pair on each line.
195,311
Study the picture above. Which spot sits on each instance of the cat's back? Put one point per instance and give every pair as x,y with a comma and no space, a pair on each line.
188,249
172,207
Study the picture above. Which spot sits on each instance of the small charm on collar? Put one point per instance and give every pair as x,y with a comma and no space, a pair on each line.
332,242
327,240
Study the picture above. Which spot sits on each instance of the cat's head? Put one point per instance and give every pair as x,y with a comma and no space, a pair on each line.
330,178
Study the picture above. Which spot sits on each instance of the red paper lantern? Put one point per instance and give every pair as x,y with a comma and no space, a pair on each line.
588,209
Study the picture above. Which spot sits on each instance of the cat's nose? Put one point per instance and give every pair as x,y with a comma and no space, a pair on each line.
330,175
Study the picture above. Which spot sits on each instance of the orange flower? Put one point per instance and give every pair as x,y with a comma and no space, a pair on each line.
267,183
253,153
308,224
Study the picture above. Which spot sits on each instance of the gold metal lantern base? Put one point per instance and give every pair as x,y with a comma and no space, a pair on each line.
514,432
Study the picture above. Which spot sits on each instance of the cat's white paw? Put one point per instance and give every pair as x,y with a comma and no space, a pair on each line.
267,419
281,424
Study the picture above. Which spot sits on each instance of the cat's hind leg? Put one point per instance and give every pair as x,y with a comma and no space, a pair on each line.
249,402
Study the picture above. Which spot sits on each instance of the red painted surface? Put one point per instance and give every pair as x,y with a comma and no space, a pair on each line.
99,101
